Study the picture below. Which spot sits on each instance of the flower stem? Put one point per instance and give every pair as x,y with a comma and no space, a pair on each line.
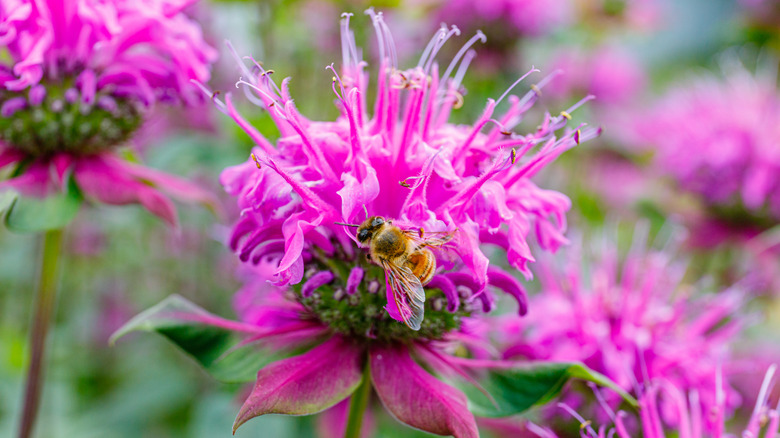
358,404
44,308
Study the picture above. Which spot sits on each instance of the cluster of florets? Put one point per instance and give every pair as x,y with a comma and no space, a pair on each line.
633,319
81,73
689,418
405,163
718,139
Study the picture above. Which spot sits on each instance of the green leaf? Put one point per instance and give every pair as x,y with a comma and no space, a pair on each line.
517,389
204,337
30,215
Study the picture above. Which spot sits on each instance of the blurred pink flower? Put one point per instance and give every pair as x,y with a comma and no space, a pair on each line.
690,418
79,78
720,139
631,319
147,51
114,310
630,15
504,22
611,74
763,13
518,17
620,183
408,164
645,14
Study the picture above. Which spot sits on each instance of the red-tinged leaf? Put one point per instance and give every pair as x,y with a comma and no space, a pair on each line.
305,384
417,398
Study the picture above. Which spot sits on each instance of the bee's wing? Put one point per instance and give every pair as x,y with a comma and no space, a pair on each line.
407,292
428,238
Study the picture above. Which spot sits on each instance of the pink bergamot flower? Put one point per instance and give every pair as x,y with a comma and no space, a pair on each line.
79,78
310,282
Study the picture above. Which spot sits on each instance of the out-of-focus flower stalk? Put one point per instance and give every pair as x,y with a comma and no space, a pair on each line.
45,302
358,404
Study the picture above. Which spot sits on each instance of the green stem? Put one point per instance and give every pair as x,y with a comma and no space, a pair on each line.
44,308
358,404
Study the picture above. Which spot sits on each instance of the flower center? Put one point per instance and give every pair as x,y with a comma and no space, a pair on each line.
57,118
357,309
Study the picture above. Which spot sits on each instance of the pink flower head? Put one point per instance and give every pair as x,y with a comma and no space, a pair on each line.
762,13
79,78
611,74
631,319
404,163
690,418
145,51
720,139
518,17
504,23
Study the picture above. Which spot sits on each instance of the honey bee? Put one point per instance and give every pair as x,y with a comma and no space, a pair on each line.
407,260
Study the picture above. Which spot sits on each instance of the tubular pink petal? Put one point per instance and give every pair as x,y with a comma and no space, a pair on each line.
680,403
308,196
440,34
253,133
12,105
316,281
354,279
508,90
294,229
439,42
479,36
461,199
620,427
392,307
448,289
324,166
478,125
507,283
754,425
584,425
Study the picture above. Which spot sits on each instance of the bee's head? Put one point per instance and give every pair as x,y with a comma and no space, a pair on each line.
369,227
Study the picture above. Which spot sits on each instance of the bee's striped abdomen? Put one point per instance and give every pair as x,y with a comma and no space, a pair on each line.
423,264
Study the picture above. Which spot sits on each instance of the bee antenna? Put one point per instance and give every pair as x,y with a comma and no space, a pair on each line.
365,210
346,225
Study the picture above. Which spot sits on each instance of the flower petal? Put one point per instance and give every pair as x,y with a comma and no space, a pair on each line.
417,398
305,384
111,185
177,187
9,156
